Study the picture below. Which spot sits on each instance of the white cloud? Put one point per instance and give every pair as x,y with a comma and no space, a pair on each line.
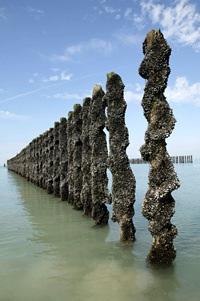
58,77
3,15
33,78
110,10
35,12
6,115
128,12
93,44
137,19
65,76
52,78
55,69
118,17
129,39
180,21
67,96
184,92
134,94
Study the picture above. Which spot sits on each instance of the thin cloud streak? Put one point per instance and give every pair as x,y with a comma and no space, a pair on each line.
28,93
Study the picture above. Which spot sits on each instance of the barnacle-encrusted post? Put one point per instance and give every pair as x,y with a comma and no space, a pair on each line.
46,159
41,159
99,180
158,206
49,183
77,155
86,196
70,151
63,160
56,160
37,156
123,180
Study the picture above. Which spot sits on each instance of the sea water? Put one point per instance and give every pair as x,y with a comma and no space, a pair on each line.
48,251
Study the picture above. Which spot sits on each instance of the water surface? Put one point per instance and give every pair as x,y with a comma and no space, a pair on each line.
48,251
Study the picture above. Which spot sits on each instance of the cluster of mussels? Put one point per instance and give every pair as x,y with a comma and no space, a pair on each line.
71,159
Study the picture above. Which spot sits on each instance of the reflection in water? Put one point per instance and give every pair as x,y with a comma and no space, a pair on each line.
48,251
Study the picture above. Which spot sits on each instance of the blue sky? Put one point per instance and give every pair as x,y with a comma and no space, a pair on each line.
53,52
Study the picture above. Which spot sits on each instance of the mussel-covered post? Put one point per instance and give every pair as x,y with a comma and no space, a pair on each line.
31,162
77,156
49,183
45,159
86,196
158,206
56,161
70,151
40,160
99,157
63,160
37,161
123,180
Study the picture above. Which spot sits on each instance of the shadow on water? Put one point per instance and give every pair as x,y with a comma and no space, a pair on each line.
61,256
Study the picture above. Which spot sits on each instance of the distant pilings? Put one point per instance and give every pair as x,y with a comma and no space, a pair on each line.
137,161
175,160
182,159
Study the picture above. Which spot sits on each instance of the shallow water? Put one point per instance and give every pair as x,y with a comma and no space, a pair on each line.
48,251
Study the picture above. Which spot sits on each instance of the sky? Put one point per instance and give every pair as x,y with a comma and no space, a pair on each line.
53,52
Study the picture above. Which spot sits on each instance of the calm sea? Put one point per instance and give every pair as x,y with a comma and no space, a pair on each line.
48,251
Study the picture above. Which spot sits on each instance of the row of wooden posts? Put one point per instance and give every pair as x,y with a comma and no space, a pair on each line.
71,159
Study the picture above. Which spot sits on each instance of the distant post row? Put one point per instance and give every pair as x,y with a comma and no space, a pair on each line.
175,160
71,159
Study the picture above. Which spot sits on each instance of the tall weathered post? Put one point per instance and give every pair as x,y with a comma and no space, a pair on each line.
86,196
28,160
56,161
77,156
158,206
45,160
49,183
40,160
36,180
123,180
99,158
31,162
63,160
70,150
